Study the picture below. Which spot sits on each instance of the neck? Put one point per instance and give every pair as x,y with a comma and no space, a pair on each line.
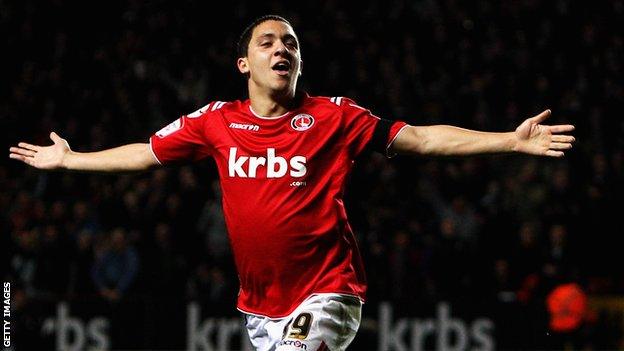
271,104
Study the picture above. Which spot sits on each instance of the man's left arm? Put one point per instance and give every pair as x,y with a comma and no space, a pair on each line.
531,137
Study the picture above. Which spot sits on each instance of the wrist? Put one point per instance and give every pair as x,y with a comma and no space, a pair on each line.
66,160
513,144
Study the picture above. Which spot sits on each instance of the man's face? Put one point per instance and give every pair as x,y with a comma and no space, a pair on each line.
273,59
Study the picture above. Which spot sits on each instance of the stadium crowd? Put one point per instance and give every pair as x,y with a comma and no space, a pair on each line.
499,230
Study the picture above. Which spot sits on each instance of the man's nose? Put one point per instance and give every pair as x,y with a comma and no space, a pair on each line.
280,48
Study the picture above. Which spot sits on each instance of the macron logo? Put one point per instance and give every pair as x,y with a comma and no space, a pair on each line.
276,166
251,127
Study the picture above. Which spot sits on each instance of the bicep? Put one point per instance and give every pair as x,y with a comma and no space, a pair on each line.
180,141
129,157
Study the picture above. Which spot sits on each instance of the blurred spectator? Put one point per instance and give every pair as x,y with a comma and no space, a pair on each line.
115,267
24,260
81,282
83,220
53,269
560,259
567,305
209,285
528,253
403,264
450,262
167,266
212,224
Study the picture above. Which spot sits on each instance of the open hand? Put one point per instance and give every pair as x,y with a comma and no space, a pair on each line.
43,157
538,139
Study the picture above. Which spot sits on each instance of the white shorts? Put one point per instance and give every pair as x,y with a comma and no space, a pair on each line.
321,322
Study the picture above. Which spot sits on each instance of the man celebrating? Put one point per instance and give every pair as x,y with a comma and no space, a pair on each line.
283,158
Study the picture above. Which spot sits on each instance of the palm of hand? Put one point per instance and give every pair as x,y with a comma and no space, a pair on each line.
49,157
537,139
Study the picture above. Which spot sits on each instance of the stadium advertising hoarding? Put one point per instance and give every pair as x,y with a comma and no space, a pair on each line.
64,330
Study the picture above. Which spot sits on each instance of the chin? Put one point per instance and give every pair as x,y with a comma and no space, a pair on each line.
282,87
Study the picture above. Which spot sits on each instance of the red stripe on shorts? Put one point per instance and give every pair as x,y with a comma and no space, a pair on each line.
322,347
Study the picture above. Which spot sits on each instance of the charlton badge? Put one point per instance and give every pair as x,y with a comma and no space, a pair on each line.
302,122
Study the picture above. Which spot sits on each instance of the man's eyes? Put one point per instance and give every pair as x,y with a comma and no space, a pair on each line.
289,43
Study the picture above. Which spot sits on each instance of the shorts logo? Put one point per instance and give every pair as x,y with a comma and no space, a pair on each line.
302,122
295,343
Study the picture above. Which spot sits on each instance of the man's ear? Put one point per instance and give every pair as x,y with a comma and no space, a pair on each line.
300,67
242,65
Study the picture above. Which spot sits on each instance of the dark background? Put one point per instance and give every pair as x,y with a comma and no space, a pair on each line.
492,235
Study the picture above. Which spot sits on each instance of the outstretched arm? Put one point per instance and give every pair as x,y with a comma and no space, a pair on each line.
131,157
531,137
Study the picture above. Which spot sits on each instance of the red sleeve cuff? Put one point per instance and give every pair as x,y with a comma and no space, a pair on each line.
395,130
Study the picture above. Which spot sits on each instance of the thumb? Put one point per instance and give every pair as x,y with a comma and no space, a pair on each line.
55,138
541,117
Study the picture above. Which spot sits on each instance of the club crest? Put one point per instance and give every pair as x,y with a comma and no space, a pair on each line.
302,122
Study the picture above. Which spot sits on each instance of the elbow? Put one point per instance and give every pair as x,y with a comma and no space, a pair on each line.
418,141
145,158
421,140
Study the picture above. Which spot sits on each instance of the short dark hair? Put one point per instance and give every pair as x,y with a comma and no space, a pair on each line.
243,41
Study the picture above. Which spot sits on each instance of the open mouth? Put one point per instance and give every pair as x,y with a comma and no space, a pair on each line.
282,68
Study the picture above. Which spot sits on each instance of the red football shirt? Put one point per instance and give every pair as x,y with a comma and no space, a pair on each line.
282,181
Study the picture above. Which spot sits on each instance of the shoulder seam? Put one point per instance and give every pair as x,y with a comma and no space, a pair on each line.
217,105
336,100
210,107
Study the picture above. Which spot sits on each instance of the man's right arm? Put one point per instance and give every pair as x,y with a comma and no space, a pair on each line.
126,158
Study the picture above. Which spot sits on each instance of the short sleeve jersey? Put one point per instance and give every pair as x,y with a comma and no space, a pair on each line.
282,181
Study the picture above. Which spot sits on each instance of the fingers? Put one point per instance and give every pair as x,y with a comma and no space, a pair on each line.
27,146
563,128
560,142
28,160
553,153
24,155
541,117
16,156
560,146
563,138
22,152
554,150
